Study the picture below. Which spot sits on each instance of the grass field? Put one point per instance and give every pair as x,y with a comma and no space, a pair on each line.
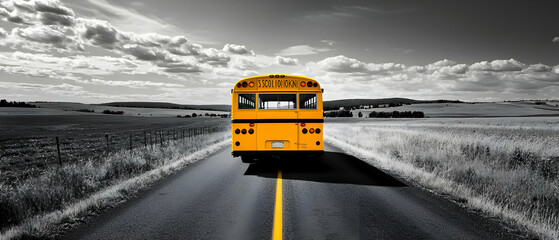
37,193
28,142
506,167
463,110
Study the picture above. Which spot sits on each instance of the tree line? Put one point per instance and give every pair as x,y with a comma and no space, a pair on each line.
374,114
200,115
4,103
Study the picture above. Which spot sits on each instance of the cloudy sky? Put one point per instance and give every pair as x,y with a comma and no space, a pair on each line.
193,51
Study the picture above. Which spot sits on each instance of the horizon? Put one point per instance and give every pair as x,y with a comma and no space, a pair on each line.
201,104
100,51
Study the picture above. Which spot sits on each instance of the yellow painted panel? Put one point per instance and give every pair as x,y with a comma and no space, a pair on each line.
276,132
308,140
247,141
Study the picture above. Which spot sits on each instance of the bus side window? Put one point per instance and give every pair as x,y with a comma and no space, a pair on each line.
307,101
246,101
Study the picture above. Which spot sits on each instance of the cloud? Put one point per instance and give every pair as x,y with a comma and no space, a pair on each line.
100,33
329,42
498,65
443,78
3,33
132,83
237,49
43,38
301,50
343,64
286,61
48,12
339,13
555,40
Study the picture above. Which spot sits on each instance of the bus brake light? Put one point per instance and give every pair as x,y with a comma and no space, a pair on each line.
251,131
311,130
244,131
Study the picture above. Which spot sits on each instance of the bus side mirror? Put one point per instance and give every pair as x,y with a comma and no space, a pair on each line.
232,91
322,90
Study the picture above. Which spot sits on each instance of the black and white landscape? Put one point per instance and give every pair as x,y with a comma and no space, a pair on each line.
441,119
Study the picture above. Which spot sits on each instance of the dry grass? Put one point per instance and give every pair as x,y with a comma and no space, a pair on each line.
507,167
35,206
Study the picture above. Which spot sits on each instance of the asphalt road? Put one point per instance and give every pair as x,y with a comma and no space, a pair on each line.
334,197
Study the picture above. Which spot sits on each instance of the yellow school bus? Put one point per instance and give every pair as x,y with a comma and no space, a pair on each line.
276,115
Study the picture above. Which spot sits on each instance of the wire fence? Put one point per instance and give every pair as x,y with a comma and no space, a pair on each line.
66,147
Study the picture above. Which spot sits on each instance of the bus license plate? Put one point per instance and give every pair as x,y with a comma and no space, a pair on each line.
277,144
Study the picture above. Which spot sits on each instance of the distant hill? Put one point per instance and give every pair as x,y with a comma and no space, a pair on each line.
328,105
226,108
355,103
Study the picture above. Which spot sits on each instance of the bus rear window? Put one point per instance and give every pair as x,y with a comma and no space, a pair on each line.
277,101
307,101
247,101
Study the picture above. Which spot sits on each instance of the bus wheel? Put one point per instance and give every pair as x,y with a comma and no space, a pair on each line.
247,159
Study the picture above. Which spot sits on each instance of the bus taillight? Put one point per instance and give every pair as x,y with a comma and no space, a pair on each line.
251,124
311,130
244,131
302,124
237,131
304,130
317,130
251,131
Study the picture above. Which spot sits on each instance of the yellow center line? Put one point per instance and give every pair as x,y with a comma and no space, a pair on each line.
278,226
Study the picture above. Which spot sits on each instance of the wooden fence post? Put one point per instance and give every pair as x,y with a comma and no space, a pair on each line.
130,141
58,149
145,139
107,138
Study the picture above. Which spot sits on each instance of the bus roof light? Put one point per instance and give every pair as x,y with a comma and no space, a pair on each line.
315,84
309,84
302,84
271,76
244,84
238,85
277,75
282,76
251,84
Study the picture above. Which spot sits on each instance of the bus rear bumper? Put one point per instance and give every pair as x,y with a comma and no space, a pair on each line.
276,153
